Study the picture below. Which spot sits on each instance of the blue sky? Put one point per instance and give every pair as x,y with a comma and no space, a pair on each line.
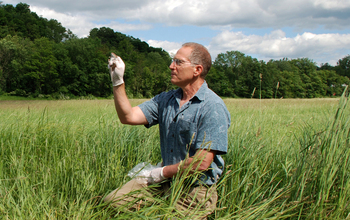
263,29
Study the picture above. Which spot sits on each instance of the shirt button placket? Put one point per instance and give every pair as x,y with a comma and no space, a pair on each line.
171,149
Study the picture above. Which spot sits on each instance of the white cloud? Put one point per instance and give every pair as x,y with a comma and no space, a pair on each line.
322,47
304,16
125,27
235,13
170,47
244,13
78,24
81,24
334,4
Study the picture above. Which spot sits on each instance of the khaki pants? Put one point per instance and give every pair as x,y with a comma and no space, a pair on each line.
135,194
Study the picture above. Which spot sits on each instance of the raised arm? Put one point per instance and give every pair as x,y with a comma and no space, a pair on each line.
126,113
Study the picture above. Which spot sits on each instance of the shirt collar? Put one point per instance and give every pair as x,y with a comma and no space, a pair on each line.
200,94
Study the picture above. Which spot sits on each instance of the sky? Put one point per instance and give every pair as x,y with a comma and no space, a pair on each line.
263,29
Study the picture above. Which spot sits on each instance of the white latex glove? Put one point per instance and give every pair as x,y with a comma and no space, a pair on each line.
116,68
156,176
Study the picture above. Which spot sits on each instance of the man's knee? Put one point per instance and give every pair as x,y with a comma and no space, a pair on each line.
125,193
201,200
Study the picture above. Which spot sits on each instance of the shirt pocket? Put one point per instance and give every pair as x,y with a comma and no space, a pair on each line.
187,132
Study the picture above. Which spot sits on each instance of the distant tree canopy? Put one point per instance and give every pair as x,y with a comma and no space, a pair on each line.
237,75
40,57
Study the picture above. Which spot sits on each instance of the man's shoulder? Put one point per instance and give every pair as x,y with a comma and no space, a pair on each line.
167,94
207,95
164,98
212,97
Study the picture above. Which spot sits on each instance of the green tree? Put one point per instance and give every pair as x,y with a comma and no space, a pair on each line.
219,83
159,65
21,21
226,63
326,66
312,82
286,79
55,31
40,75
14,52
334,83
343,66
243,72
86,59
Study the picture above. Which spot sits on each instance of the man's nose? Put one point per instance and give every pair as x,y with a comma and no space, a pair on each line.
172,65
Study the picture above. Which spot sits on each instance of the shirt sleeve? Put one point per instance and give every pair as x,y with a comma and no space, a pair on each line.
212,129
151,110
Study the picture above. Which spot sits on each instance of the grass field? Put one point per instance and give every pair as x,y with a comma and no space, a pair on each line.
287,159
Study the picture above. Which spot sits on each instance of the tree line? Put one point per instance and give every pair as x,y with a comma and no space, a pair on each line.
237,75
41,58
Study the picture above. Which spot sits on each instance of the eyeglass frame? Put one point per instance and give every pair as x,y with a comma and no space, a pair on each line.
178,62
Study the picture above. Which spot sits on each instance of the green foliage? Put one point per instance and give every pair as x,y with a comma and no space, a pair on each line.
14,53
21,21
40,75
39,57
286,159
54,62
324,160
249,78
343,67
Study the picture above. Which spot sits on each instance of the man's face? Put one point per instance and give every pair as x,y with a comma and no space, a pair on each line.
181,68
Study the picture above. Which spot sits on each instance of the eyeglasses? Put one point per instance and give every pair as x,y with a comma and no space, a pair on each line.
178,62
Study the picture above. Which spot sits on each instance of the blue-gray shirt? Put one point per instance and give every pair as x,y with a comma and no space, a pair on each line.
201,123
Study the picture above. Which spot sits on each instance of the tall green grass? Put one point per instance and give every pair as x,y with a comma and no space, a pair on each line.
287,159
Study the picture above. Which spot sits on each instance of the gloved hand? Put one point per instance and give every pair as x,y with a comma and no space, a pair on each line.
116,68
156,176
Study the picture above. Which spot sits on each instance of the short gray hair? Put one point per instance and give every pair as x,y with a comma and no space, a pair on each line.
201,56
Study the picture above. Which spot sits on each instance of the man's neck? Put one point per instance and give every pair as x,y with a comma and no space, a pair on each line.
190,90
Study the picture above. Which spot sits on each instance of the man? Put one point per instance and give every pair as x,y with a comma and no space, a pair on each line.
193,123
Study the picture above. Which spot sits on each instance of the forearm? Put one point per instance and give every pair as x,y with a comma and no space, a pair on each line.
203,159
171,170
121,102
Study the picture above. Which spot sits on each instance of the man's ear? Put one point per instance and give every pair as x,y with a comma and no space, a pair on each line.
198,70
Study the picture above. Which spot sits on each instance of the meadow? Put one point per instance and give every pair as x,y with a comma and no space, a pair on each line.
287,159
